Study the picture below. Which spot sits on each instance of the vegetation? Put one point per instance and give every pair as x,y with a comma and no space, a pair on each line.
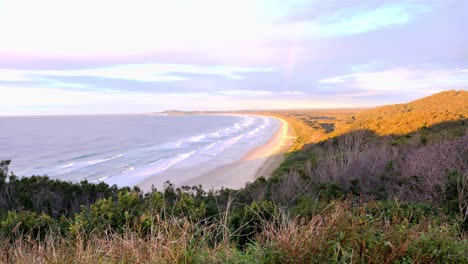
362,193
406,118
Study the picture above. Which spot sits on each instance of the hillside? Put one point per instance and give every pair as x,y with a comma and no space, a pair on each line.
405,118
359,186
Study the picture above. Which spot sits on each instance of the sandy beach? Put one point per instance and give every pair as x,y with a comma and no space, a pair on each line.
260,161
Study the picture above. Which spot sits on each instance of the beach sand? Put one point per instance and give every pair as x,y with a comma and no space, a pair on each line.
260,161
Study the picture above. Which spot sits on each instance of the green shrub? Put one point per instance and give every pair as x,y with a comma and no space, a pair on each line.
27,224
330,190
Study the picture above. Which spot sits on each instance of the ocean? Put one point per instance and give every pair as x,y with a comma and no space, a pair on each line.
126,149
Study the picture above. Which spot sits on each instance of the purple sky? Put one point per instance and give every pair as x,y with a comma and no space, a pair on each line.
122,56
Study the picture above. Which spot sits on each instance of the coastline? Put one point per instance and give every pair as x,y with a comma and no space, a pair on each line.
274,150
258,162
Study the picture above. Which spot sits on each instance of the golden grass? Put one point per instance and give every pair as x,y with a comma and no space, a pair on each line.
406,118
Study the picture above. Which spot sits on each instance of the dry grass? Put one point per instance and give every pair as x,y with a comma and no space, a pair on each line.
342,232
406,118
312,126
365,234
173,240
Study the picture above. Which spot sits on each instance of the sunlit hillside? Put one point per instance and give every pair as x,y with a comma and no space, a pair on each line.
405,118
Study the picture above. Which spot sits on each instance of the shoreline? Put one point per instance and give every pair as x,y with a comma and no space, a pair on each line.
260,161
274,150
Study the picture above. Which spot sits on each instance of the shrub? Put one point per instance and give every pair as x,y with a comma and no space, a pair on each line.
27,224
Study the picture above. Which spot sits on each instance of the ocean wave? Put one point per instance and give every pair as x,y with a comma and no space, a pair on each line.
214,134
254,133
230,139
168,146
79,157
67,165
78,165
141,173
93,162
100,179
218,147
248,121
129,170
237,127
165,164
196,138
209,146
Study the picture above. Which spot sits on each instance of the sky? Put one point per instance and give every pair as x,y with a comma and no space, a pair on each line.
133,56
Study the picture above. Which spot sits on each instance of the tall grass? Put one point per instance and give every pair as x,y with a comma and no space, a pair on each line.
343,231
368,233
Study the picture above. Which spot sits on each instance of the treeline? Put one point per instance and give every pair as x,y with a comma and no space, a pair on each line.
41,194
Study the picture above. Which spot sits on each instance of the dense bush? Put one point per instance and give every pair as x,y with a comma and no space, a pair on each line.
337,231
42,194
364,165
191,225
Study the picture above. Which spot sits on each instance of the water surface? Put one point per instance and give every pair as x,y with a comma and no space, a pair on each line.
126,149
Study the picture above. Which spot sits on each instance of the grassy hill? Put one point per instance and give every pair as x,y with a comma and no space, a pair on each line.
406,118
411,152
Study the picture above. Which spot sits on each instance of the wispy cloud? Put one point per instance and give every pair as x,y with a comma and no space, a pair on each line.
401,79
139,72
259,93
352,20
356,21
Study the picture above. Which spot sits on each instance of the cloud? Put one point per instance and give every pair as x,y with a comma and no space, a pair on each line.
350,23
247,93
352,20
88,27
106,26
401,79
259,93
138,72
264,53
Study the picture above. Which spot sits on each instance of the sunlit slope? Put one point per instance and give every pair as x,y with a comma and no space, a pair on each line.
405,118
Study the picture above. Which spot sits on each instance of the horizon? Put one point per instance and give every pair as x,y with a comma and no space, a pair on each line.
127,57
201,112
197,112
